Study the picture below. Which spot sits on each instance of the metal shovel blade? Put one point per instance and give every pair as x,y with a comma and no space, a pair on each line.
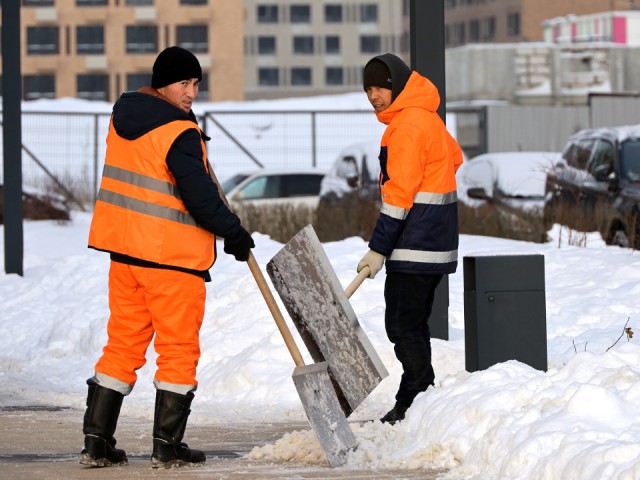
323,410
310,291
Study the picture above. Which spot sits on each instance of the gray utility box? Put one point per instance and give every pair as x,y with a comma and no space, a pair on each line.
504,311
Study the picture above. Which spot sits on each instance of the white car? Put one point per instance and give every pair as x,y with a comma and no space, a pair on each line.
272,187
514,180
356,170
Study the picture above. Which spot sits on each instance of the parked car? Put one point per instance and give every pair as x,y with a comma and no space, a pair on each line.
274,187
350,193
509,180
596,187
502,194
355,172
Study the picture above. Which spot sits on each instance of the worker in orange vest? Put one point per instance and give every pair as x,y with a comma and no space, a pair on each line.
416,232
158,213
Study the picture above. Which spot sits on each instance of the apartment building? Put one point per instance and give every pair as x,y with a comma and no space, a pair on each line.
500,21
96,49
312,47
620,27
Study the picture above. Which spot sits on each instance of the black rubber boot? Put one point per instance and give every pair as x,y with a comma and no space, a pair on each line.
396,414
100,420
169,424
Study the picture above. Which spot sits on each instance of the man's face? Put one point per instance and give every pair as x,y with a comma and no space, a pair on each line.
379,98
182,93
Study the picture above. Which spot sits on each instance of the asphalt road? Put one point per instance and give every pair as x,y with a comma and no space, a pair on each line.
44,443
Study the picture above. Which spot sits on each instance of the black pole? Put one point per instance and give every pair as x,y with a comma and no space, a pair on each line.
12,138
426,44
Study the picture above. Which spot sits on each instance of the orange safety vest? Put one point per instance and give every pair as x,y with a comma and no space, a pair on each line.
139,212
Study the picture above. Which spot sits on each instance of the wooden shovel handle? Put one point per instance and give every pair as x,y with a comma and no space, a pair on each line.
356,282
275,311
266,291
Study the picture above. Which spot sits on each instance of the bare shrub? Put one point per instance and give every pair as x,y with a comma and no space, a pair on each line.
38,207
280,221
489,221
357,218
350,216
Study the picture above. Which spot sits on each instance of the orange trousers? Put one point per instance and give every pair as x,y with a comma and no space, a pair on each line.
149,301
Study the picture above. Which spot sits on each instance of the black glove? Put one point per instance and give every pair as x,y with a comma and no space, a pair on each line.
239,245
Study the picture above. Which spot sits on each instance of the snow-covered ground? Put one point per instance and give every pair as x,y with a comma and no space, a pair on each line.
579,420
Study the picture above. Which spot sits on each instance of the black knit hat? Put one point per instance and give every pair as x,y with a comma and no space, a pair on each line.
376,74
398,72
173,65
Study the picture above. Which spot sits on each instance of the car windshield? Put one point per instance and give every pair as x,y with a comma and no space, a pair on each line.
233,182
630,163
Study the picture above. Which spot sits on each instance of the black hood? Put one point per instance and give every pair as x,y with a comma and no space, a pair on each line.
400,72
137,113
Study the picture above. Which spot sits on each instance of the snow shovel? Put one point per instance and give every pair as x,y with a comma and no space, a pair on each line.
312,382
311,292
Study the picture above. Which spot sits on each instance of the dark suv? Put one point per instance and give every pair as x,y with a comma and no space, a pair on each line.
596,185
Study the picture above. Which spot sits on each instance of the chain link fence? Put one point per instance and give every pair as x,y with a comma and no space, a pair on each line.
64,152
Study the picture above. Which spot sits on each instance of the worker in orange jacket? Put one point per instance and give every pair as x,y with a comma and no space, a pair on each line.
157,213
417,229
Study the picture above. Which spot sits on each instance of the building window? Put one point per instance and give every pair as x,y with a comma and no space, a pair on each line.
203,90
513,25
38,86
301,76
474,30
303,45
369,13
458,34
137,80
370,44
333,13
300,14
489,28
193,2
93,87
268,77
91,3
193,38
267,13
38,3
139,3
332,44
266,45
142,39
90,40
334,76
42,40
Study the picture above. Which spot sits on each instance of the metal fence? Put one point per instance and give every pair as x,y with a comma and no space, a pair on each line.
248,140
65,151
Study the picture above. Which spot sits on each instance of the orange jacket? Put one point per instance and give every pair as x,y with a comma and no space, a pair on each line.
139,213
418,225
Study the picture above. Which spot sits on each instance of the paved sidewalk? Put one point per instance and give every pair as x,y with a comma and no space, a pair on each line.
43,443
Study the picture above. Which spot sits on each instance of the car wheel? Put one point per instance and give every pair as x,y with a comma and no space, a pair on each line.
620,239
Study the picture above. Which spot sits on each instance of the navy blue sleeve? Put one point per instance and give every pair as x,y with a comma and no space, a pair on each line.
197,189
385,234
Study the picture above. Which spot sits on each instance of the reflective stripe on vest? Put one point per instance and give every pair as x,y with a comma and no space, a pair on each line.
423,198
420,256
140,180
429,198
393,212
146,208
